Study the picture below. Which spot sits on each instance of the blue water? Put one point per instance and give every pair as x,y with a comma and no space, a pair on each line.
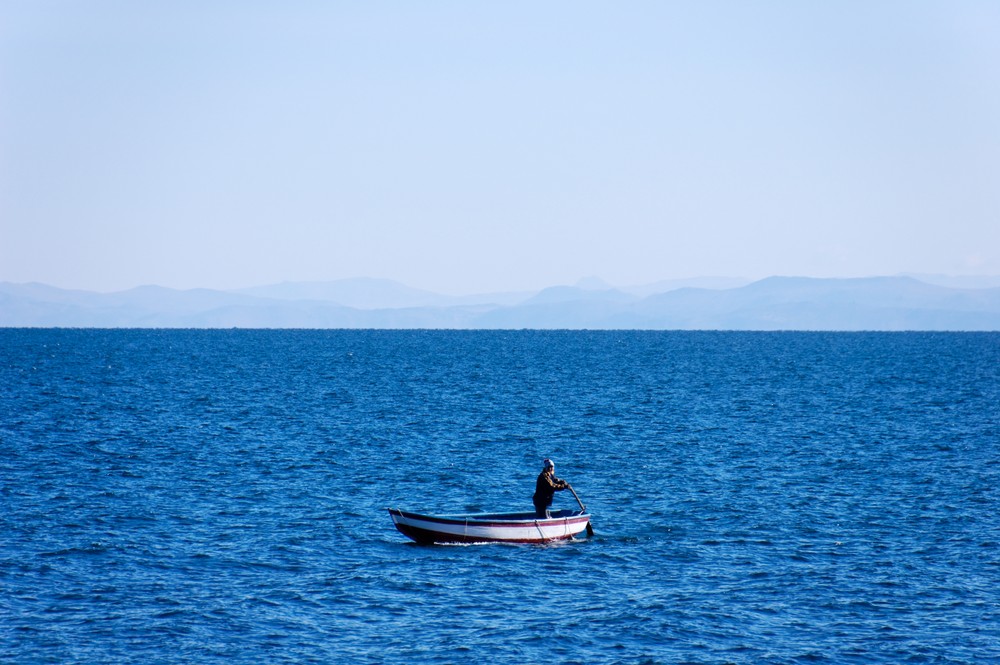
219,496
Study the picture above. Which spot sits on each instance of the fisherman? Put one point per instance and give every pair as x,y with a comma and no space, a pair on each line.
545,487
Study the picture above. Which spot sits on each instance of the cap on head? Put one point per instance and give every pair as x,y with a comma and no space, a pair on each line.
547,464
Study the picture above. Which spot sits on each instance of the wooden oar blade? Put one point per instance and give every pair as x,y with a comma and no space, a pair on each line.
583,509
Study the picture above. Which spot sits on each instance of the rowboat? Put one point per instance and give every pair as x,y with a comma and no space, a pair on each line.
490,527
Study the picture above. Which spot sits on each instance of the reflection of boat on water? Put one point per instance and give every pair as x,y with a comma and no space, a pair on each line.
490,527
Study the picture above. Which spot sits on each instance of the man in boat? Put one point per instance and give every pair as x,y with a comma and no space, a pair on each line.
545,488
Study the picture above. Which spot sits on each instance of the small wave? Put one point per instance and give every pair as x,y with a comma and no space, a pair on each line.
91,549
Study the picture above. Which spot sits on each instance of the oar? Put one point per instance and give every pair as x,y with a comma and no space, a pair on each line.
583,509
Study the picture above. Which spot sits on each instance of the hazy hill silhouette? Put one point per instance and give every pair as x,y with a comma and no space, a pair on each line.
775,303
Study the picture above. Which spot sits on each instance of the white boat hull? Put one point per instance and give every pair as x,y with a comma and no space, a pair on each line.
489,527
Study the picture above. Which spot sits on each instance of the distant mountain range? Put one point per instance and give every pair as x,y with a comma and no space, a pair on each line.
775,303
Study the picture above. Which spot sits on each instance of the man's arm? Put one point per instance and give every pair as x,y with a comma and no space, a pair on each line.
554,483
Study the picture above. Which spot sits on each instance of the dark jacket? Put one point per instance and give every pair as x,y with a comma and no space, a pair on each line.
545,487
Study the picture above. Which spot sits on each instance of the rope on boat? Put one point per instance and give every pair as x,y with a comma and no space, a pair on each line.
540,534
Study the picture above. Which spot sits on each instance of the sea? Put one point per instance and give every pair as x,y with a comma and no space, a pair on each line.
220,496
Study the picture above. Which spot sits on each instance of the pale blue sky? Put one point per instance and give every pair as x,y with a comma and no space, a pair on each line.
467,147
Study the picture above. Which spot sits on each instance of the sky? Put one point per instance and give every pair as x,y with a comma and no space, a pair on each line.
470,147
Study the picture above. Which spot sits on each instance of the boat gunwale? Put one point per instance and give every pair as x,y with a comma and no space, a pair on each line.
480,519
